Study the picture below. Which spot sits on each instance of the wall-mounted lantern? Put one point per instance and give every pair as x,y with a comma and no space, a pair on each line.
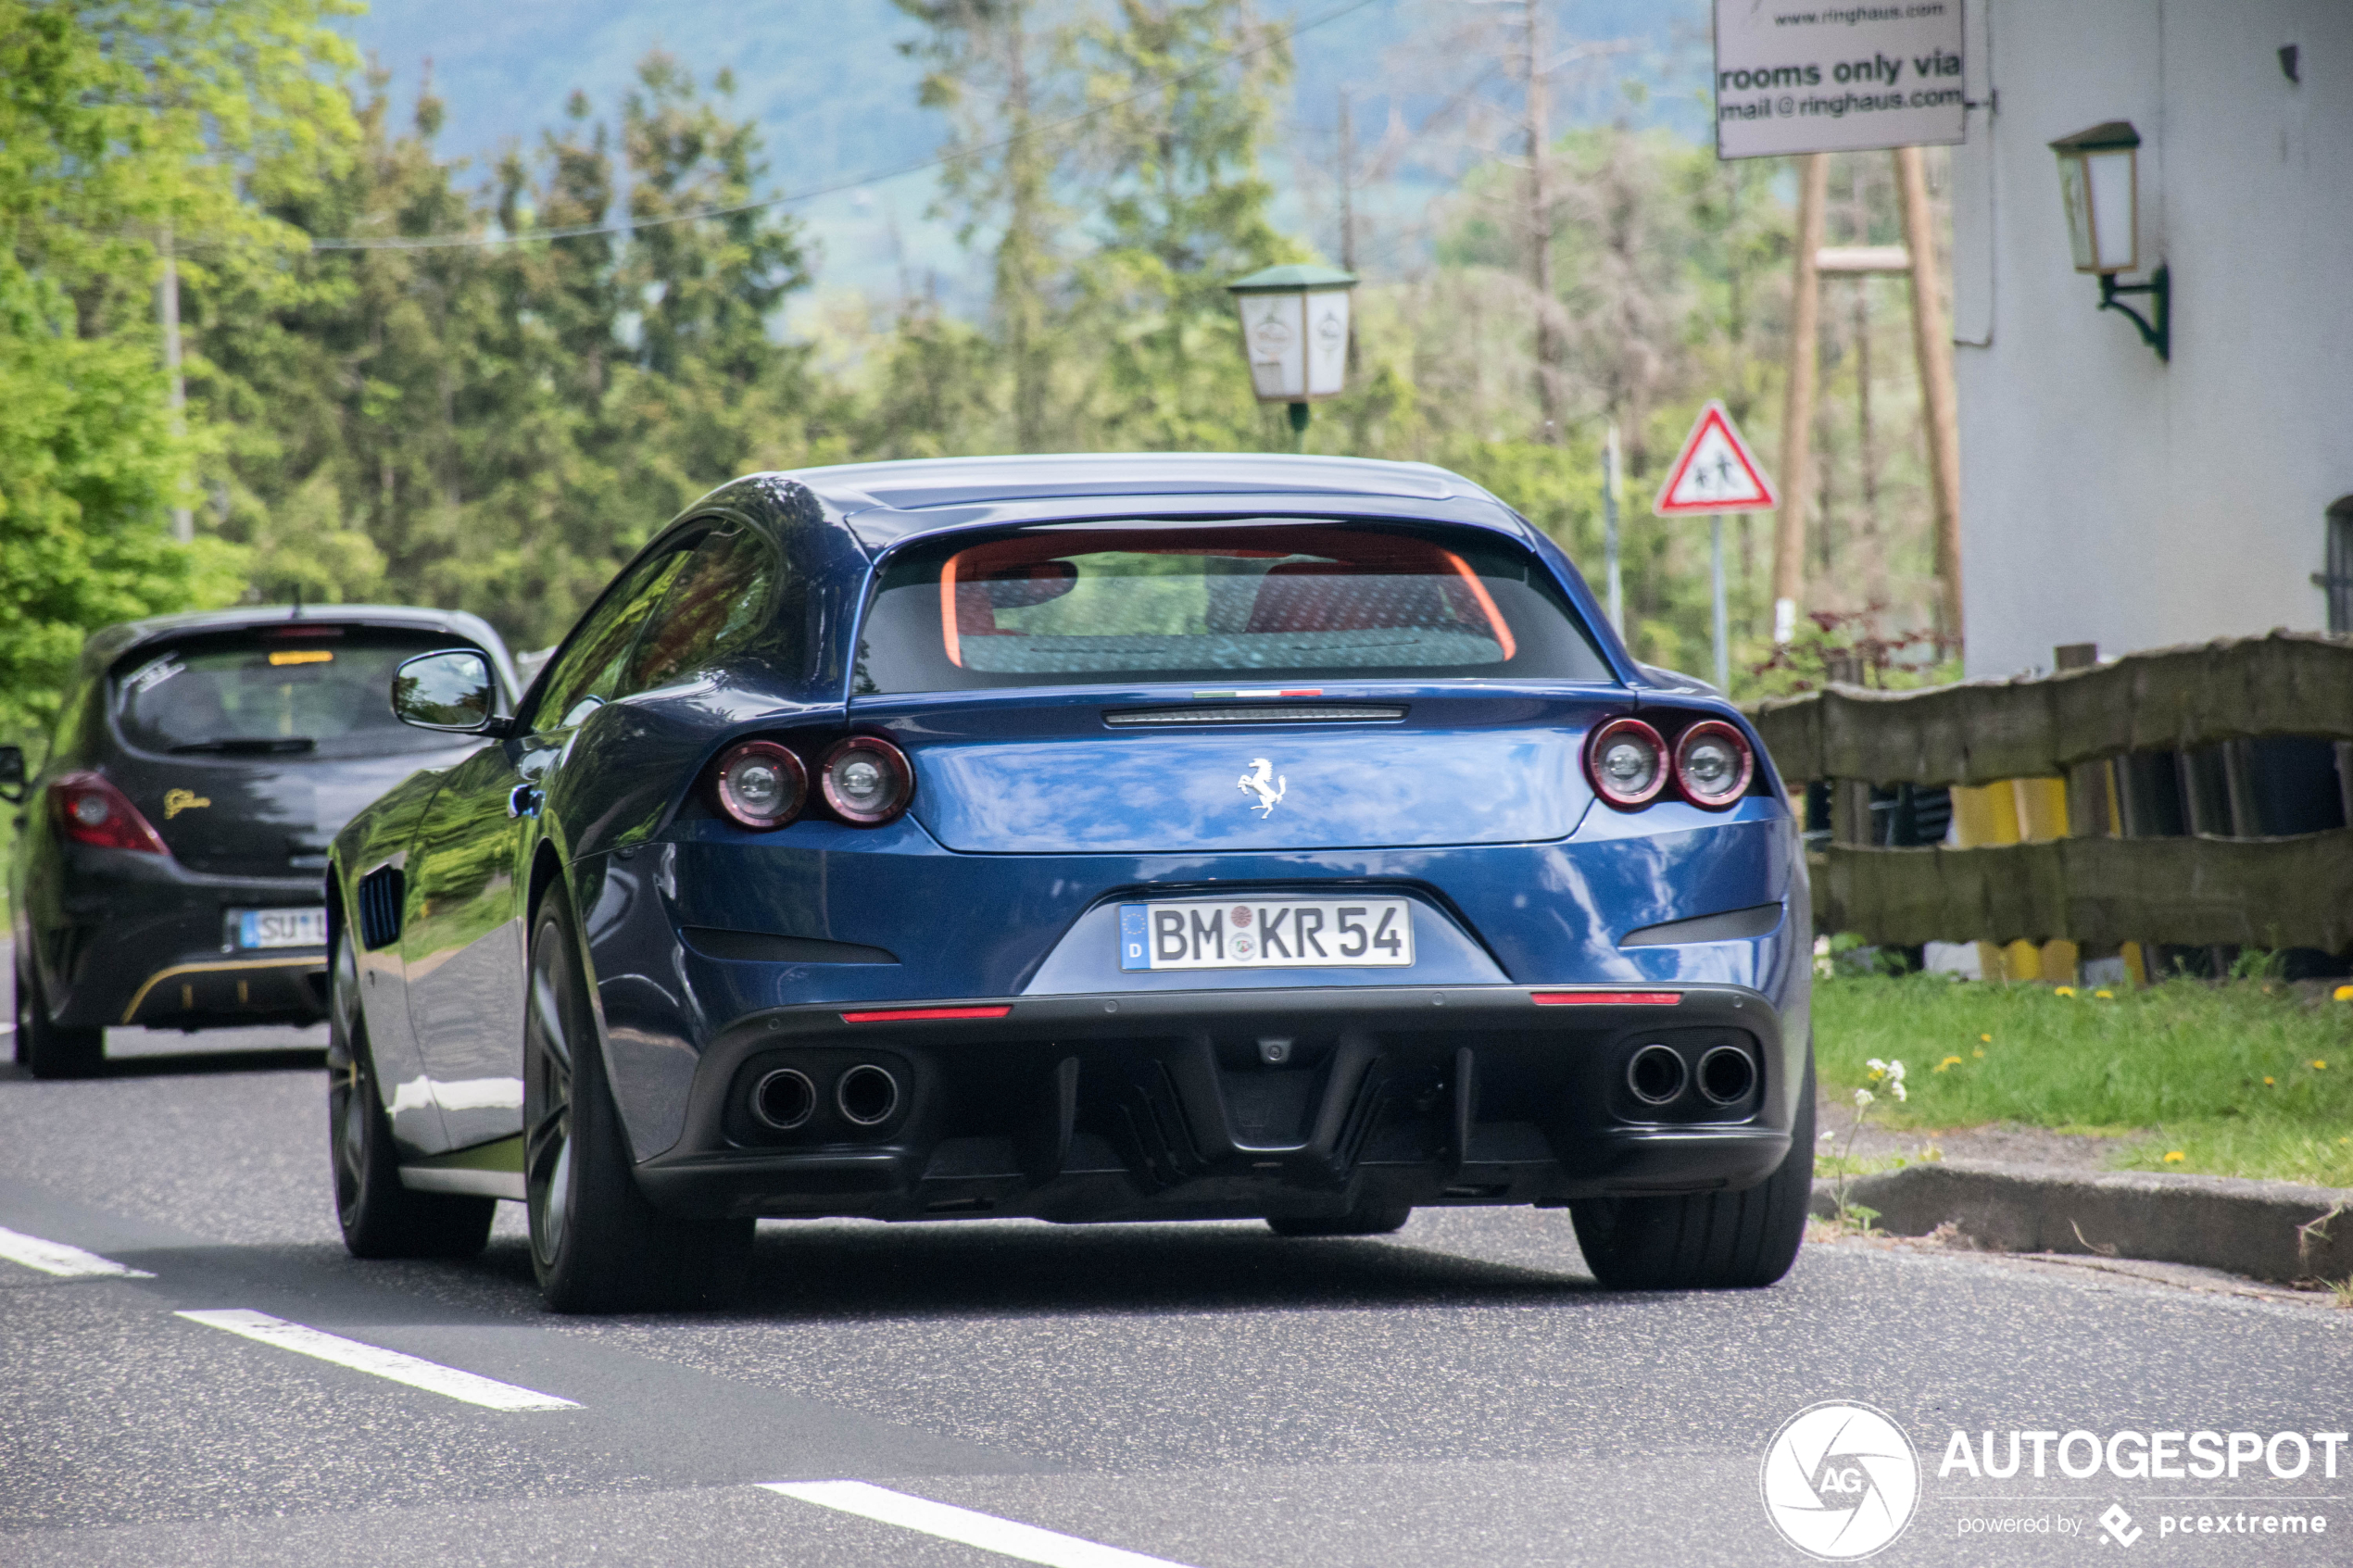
2099,181
1295,335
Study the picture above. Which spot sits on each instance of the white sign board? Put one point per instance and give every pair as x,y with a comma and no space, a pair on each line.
1799,76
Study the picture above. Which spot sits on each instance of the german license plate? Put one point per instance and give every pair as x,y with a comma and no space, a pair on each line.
1277,934
278,928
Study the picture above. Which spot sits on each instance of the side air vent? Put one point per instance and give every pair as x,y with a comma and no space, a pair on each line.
380,899
1262,713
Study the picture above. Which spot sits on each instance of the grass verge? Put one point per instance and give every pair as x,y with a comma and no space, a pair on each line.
2245,1078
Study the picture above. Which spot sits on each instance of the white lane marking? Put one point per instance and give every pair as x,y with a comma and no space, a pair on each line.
414,1371
56,1257
1026,1542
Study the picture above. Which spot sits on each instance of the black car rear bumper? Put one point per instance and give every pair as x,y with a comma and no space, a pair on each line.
1228,1103
142,941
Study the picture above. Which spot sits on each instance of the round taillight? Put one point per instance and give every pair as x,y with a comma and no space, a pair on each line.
867,781
761,785
1628,762
1713,764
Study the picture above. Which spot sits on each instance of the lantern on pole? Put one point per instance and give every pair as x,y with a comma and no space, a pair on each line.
1295,335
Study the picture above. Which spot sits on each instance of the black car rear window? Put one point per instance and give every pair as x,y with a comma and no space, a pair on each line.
319,691
1262,600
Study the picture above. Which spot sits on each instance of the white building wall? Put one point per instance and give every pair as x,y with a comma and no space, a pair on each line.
2109,497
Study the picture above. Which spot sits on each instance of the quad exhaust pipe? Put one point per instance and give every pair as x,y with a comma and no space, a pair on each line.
784,1099
867,1094
1656,1075
1726,1075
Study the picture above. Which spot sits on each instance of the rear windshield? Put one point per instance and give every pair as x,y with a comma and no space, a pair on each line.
1267,599
321,691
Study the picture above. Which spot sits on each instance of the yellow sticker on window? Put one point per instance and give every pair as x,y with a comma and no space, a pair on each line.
303,656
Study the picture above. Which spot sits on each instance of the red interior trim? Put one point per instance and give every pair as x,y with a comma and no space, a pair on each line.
1605,999
913,1015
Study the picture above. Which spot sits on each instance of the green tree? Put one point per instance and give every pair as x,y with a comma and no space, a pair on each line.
495,426
713,392
987,67
1186,95
123,126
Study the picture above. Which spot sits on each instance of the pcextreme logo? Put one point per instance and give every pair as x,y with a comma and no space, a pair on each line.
1840,1480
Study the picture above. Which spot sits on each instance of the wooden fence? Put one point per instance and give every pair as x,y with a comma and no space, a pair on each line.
2192,796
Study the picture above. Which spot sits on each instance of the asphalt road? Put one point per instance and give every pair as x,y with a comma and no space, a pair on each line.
1211,1396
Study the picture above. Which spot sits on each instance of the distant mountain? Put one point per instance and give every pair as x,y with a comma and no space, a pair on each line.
836,99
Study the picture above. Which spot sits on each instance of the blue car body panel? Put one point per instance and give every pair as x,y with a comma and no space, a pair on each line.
1034,819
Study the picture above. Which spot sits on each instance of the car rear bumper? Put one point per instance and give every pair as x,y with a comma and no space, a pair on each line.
1218,1104
144,943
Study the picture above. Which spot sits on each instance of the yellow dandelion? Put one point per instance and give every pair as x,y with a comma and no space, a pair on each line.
1985,1040
2063,991
1948,1061
2174,1157
2318,1066
2105,995
2269,1082
2343,993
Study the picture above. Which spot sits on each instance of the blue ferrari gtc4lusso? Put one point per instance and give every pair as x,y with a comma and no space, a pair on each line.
1096,838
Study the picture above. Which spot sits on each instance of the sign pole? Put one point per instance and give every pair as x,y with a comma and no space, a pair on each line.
1797,406
1610,488
1716,570
1714,474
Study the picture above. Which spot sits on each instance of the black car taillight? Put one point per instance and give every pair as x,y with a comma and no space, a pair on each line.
1627,762
867,781
91,811
1713,764
760,786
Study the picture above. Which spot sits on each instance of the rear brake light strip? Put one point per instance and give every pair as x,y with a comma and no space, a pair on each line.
1605,999
917,1015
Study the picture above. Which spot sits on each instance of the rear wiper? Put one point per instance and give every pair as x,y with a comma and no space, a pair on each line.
277,746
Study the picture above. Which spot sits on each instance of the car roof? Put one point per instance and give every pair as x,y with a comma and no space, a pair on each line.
110,643
874,499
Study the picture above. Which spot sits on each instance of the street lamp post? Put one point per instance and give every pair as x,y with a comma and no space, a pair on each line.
1295,335
2099,181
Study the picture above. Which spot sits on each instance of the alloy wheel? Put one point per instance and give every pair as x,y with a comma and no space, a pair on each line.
548,1100
347,1087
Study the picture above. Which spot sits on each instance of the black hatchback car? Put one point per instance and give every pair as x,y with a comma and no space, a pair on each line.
171,850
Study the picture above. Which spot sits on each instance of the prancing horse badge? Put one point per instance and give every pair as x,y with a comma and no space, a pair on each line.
1256,782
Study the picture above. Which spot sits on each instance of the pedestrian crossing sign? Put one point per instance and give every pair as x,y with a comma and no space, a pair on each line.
1714,472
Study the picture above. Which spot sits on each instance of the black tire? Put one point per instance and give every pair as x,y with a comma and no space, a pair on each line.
597,1244
380,1217
47,1049
1365,1219
1706,1241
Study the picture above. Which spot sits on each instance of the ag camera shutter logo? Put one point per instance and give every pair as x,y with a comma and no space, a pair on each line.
1840,1480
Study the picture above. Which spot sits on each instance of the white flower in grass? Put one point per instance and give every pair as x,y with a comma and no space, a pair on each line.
1863,1097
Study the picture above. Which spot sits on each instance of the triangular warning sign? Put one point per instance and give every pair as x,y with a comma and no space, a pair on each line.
1715,472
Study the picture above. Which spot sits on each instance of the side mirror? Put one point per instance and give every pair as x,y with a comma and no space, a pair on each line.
454,690
11,773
